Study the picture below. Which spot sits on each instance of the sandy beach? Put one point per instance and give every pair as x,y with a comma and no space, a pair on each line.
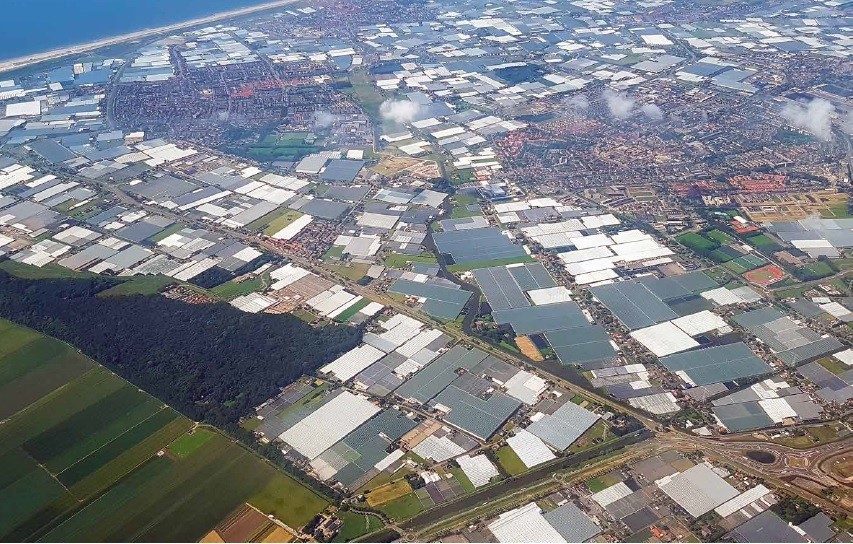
21,62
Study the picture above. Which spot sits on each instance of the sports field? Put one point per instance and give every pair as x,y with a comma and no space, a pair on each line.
766,275
84,455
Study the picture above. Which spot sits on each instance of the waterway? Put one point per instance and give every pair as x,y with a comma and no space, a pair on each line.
35,26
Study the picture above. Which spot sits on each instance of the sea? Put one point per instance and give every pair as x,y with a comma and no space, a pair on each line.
34,26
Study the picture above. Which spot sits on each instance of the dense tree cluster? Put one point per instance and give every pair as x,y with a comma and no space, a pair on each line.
795,509
212,362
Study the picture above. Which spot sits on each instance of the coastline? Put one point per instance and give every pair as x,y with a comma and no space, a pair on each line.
8,65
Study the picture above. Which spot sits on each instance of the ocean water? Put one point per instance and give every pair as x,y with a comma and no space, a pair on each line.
33,26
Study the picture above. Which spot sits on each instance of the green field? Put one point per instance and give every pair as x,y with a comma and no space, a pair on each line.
356,525
350,271
510,461
464,481
140,285
289,146
366,92
762,241
399,260
352,310
460,212
696,242
464,267
833,365
719,236
170,230
79,457
283,219
233,289
188,443
405,507
601,482
816,270
745,264
46,272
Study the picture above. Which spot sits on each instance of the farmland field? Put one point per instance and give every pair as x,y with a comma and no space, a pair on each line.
284,219
388,492
510,461
82,456
399,260
356,525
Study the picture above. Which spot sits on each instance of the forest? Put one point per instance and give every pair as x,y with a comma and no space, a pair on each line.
212,362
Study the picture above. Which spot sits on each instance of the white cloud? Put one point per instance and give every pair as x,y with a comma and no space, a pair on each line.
578,102
399,111
652,111
323,119
815,117
621,106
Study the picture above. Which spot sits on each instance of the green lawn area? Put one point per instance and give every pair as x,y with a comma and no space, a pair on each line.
458,211
791,293
464,481
314,396
140,285
464,200
813,436
188,443
720,256
46,272
402,508
366,92
89,209
356,525
304,315
352,310
817,270
284,219
719,236
334,253
762,241
232,289
510,461
350,271
464,267
833,365
696,241
250,424
601,482
399,260
838,211
170,230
